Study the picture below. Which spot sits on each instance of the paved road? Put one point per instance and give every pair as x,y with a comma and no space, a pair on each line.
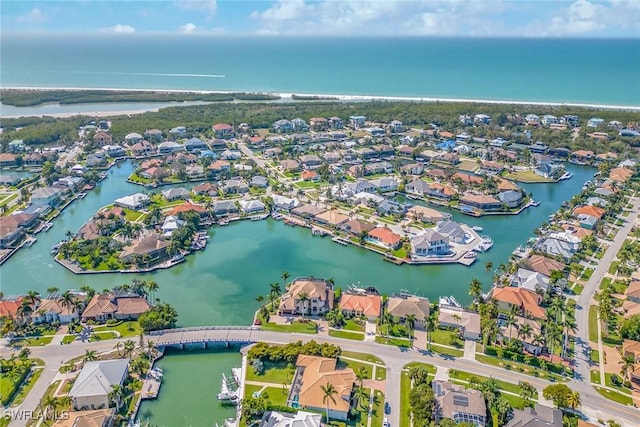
582,380
395,359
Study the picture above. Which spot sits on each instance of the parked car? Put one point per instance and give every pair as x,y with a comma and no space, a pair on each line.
387,408
386,423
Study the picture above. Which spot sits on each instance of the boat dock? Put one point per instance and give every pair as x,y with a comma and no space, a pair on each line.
151,386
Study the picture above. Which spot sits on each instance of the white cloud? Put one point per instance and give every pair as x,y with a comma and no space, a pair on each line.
210,7
34,16
121,29
187,28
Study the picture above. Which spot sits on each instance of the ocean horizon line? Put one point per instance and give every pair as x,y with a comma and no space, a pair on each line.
338,97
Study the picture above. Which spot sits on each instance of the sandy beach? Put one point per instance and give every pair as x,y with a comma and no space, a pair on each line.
287,97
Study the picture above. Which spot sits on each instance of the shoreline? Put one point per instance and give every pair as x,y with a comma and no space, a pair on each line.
286,96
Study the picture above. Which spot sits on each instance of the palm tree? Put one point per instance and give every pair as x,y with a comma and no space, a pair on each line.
627,363
32,297
49,404
511,322
285,275
115,395
53,290
361,375
152,288
150,348
362,397
475,290
527,392
431,323
329,392
573,400
303,298
118,347
129,347
410,323
90,356
275,290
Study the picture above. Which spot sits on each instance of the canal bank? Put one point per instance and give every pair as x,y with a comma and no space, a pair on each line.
218,286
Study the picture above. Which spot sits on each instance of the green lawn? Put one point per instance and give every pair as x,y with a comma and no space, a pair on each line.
68,339
12,380
377,412
274,373
103,335
249,389
27,386
430,368
368,369
442,336
526,176
346,334
353,325
131,215
595,356
613,267
276,395
399,342
595,376
586,274
32,341
446,350
405,389
363,356
616,397
125,329
516,401
519,367
577,289
609,383
297,326
502,385
381,373
593,323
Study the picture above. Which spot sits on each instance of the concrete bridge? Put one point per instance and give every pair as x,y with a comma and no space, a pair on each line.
206,335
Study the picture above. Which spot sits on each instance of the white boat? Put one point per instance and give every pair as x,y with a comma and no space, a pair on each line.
534,203
566,175
450,301
30,241
485,244
229,391
477,228
47,226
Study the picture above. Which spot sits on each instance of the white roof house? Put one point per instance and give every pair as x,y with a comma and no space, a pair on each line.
171,224
530,280
92,387
133,201
300,419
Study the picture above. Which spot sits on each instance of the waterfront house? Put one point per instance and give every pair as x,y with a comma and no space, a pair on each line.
529,343
102,139
224,208
259,182
318,293
195,144
142,149
582,156
452,230
230,154
563,243
312,375
155,173
37,159
390,207
440,191
318,124
335,123
16,146
92,388
543,265
417,187
134,201
171,223
571,120
46,196
152,247
531,280
620,174
385,184
425,214
546,169
468,322
357,227
413,169
219,166
360,186
103,307
367,305
283,419
207,189
540,416
178,193
384,237
491,167
467,178
459,404
482,202
181,158
55,310
114,151
218,144
402,305
548,120
332,217
429,243
222,130
511,198
307,211
169,147
9,307
133,138
252,206
525,301
378,167
179,131
10,179
332,157
189,207
284,203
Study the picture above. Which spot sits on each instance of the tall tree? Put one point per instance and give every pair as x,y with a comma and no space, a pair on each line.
328,395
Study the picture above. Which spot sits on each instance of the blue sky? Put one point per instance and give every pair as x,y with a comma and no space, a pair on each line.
472,18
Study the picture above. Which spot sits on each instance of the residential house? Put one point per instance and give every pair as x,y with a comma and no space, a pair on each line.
548,120
357,122
169,147
396,126
459,404
55,310
283,126
632,348
531,280
219,166
385,184
218,144
440,191
318,124
525,301
207,189
538,416
458,318
378,167
417,187
178,193
299,125
582,156
312,376
332,157
357,227
152,248
384,237
310,175
482,202
452,230
530,343
179,131
102,138
9,307
46,196
318,292
511,198
563,244
195,144
402,305
336,123
620,174
10,179
491,167
252,206
425,214
595,122
225,208
307,211
332,217
16,146
310,161
223,130
543,265
391,207
171,223
13,227
633,291
133,138
467,178
289,165
429,243
356,304
482,119
134,201
284,203
230,154
155,173
92,388
413,169
142,149
154,135
103,307
299,419
114,151
259,182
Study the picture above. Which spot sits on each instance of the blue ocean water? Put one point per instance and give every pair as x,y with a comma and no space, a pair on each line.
543,70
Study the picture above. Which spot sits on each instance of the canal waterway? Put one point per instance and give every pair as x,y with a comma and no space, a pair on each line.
218,286
185,372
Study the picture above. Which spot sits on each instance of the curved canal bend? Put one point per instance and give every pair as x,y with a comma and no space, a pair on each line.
218,286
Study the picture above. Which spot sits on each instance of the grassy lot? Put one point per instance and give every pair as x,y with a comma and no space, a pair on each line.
346,334
516,401
381,373
125,329
377,412
593,323
595,356
297,326
405,389
249,389
276,373
526,176
363,356
609,383
461,376
595,376
442,336
353,325
613,267
399,342
430,368
616,397
101,336
618,286
12,381
276,395
520,367
400,252
32,341
577,289
368,369
586,274
446,350
68,339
